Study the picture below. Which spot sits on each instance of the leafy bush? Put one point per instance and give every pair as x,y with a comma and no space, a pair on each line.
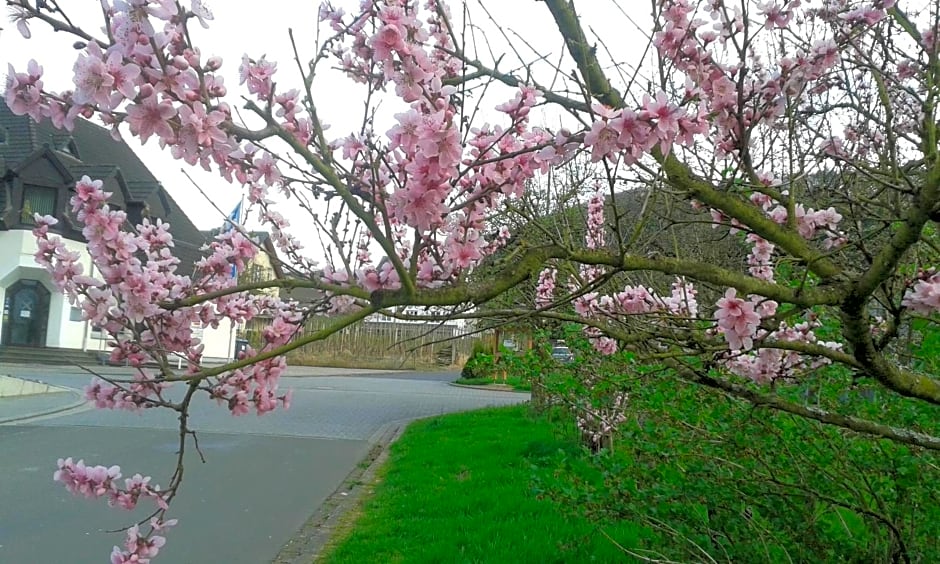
713,475
479,365
474,381
479,347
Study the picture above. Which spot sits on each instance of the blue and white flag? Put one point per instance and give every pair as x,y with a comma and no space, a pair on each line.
231,221
234,218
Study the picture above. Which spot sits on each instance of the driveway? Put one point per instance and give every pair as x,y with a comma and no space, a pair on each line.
262,478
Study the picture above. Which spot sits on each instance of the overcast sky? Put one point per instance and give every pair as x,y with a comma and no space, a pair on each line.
260,28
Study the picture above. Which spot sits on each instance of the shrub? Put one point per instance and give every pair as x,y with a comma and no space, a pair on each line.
479,365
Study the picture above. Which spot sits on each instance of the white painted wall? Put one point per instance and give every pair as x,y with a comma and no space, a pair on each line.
220,342
16,262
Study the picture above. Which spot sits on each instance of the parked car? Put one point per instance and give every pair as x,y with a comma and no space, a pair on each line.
561,353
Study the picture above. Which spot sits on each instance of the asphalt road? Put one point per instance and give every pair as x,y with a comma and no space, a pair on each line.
263,476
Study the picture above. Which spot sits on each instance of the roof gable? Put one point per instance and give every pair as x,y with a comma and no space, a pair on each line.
45,154
45,166
21,138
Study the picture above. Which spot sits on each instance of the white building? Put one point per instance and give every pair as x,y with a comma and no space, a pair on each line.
38,169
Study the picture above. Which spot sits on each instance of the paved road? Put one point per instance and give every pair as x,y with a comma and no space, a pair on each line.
263,477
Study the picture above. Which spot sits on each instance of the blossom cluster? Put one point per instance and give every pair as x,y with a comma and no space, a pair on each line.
545,288
767,364
421,174
924,296
599,422
135,302
141,548
693,45
594,234
628,135
101,481
137,282
150,81
737,320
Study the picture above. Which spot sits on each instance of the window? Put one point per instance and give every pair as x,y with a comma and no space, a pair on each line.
256,273
65,144
70,148
37,199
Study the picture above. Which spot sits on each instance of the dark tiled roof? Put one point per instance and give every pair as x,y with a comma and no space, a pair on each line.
96,146
21,137
186,234
142,190
93,170
95,153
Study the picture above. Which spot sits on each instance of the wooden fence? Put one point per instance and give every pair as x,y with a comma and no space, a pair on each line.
372,344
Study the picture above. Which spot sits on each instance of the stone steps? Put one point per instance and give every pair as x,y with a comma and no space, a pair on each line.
48,355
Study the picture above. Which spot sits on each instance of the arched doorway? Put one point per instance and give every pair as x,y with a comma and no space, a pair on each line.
26,314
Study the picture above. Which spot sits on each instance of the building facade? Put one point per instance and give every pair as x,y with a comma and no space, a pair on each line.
39,166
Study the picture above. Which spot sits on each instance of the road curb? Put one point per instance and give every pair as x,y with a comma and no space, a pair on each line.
310,541
79,401
488,388
14,386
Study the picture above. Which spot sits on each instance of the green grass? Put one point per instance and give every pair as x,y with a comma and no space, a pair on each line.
693,475
458,488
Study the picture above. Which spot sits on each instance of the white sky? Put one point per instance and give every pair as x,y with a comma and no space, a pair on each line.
260,28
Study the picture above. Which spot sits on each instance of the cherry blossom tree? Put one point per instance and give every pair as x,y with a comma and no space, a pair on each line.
805,130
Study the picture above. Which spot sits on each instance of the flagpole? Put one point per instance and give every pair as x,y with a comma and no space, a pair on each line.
241,211
231,332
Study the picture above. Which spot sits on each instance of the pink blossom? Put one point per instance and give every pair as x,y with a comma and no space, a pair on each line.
682,301
20,17
776,16
924,297
545,289
665,116
760,257
151,117
594,236
635,300
737,320
257,76
388,40
93,83
24,91
202,13
604,345
602,139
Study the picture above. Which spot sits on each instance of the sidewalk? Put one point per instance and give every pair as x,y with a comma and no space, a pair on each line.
25,399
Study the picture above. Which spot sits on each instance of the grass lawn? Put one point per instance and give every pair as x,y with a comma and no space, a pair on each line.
458,488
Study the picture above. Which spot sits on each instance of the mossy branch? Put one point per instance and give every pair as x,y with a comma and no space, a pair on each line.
678,174
856,424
